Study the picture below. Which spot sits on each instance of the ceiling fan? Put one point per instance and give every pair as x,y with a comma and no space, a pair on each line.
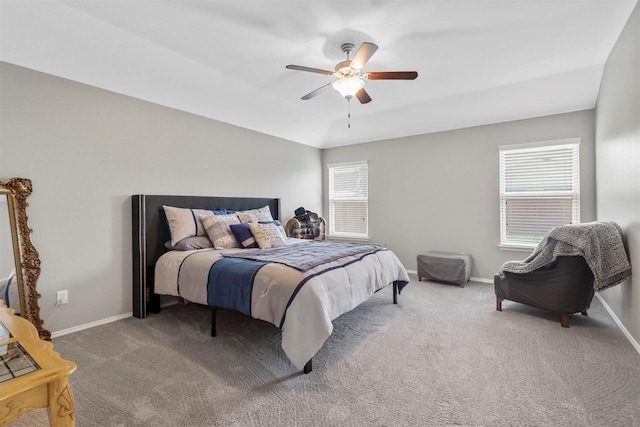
350,76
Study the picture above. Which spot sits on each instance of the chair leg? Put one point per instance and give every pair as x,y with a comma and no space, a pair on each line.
498,303
564,320
462,285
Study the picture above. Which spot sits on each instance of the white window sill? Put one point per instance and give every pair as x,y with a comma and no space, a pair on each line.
517,248
348,238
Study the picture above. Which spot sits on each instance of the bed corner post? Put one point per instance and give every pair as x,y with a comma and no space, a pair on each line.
395,292
308,367
139,256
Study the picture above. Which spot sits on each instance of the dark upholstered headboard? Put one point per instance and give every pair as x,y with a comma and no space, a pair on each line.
150,232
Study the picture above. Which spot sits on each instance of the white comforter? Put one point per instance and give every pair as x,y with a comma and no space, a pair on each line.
334,289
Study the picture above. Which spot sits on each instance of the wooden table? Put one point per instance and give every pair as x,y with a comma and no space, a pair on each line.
44,385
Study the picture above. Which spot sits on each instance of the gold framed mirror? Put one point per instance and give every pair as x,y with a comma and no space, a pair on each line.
15,240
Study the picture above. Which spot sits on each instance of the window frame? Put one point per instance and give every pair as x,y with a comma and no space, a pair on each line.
543,147
347,235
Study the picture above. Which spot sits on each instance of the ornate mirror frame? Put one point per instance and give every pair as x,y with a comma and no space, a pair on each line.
26,256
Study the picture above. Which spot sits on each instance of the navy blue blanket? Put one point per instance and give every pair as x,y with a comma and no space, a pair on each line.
231,282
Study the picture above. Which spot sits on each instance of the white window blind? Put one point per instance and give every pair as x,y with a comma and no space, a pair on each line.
539,189
348,200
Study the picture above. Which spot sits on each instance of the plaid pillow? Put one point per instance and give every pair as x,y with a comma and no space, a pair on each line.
219,230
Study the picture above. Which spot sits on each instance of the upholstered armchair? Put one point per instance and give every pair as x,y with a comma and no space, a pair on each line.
566,268
565,287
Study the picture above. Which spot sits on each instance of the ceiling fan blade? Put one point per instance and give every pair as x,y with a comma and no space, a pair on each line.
363,54
363,96
309,69
317,91
392,75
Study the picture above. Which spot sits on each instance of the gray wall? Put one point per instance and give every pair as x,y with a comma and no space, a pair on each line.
441,191
618,162
88,150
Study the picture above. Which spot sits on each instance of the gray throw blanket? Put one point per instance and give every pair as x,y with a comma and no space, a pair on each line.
304,256
600,243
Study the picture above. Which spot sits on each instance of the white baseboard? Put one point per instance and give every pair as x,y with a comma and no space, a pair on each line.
481,280
473,279
626,333
90,325
103,321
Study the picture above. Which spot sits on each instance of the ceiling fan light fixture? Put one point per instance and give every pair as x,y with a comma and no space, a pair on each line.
348,87
350,76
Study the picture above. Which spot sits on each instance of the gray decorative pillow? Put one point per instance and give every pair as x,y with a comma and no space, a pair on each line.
267,235
219,232
190,243
256,215
184,222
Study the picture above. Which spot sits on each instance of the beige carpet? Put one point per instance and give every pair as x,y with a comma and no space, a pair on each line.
442,356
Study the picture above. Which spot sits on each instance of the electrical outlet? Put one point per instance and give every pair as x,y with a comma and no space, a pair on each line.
62,297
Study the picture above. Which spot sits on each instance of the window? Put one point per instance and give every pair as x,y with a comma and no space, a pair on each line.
348,200
539,189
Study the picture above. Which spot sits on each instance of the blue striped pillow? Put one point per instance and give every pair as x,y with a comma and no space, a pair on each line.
184,222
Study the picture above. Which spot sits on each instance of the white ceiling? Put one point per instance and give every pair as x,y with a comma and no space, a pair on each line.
478,62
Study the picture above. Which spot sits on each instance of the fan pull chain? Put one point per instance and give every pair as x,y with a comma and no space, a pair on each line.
349,113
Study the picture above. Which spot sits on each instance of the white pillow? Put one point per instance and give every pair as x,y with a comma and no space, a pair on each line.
219,232
279,225
267,235
184,222
255,215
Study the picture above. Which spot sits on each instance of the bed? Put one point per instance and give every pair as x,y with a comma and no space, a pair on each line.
300,286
